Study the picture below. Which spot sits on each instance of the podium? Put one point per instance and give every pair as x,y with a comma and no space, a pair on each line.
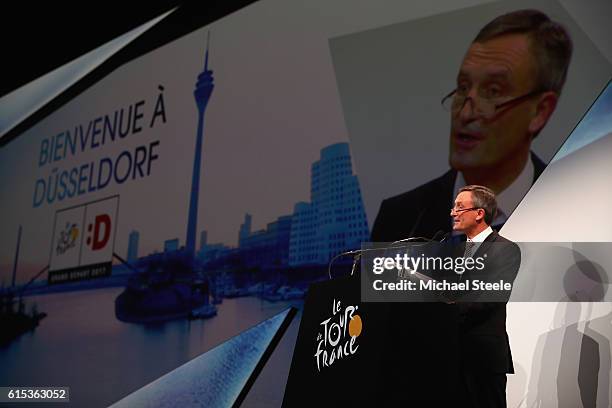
401,353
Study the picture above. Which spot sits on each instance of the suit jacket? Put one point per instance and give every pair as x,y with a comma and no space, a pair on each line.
424,210
446,328
481,316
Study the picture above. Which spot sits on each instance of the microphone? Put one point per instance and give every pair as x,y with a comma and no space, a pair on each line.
438,235
441,236
356,257
409,240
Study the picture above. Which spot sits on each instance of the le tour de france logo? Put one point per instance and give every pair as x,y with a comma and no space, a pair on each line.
338,338
67,238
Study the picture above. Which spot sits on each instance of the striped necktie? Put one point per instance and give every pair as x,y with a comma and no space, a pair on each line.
469,248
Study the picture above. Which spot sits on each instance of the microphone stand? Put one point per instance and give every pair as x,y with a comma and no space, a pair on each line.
357,252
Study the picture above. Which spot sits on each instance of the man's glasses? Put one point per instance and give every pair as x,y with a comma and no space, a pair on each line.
462,210
484,104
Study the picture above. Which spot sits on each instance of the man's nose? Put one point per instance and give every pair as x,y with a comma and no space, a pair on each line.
468,113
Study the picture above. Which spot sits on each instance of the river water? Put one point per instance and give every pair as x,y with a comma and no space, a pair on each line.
80,344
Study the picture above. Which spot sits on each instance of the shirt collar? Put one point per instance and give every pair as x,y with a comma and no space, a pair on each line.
508,199
482,235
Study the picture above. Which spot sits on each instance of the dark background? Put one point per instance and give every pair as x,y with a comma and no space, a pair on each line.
39,37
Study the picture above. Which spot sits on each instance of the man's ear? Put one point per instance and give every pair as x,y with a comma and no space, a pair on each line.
544,109
480,213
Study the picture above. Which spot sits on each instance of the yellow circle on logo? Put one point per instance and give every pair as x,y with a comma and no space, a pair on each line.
355,326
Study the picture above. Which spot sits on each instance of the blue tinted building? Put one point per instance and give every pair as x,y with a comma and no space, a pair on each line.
171,245
132,255
245,229
211,252
334,221
267,248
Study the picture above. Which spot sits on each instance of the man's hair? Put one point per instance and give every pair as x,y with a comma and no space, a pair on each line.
549,43
483,197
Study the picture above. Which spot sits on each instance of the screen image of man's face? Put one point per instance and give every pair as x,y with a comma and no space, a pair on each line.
493,72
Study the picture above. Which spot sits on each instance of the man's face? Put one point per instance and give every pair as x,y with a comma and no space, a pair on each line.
502,69
465,221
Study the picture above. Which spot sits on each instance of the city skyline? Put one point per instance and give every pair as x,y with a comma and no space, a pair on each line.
334,218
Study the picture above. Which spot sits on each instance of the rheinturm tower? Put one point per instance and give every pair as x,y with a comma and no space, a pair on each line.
202,93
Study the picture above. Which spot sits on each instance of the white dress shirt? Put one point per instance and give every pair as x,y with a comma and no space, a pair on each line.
479,239
476,242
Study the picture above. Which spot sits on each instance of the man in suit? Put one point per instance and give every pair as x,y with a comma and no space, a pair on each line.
484,356
455,352
507,88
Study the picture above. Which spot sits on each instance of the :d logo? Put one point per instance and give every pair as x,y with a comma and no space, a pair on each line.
101,234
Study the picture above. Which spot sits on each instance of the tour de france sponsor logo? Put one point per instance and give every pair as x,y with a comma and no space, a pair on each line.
67,238
339,336
99,232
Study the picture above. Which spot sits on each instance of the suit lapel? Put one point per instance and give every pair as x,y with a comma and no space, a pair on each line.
486,244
